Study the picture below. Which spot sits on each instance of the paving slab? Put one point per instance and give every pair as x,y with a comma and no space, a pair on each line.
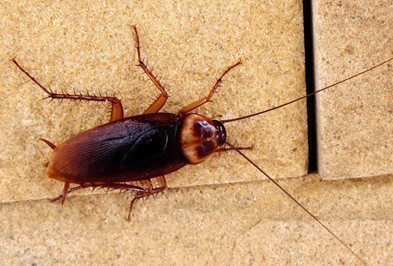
355,121
249,223
88,46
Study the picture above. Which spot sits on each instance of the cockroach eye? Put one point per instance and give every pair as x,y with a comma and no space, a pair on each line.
221,135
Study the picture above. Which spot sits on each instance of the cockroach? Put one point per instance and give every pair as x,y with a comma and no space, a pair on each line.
138,148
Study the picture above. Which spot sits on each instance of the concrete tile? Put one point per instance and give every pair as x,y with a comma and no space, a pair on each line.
88,46
355,122
248,223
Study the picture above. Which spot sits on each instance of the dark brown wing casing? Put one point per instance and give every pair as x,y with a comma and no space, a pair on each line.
131,149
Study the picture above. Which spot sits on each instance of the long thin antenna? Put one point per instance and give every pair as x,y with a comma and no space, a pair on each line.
297,202
306,96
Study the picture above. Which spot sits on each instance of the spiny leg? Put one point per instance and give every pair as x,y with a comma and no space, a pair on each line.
68,192
160,101
149,191
65,190
147,184
200,102
162,181
117,108
120,186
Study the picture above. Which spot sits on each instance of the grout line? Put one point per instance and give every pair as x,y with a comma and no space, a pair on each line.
313,177
310,85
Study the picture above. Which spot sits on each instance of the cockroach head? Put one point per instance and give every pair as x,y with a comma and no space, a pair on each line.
200,137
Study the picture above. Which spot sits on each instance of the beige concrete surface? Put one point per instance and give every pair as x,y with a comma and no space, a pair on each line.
355,119
249,223
88,46
207,216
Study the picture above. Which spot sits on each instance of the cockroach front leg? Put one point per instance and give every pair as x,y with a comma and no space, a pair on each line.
200,102
160,101
148,192
117,108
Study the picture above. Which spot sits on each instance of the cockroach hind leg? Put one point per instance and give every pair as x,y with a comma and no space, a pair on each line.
143,194
147,184
114,186
65,191
50,144
68,192
135,199
138,196
117,112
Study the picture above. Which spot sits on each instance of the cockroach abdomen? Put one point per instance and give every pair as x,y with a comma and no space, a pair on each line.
131,149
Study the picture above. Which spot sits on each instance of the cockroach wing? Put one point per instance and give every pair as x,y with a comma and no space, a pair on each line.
134,148
148,146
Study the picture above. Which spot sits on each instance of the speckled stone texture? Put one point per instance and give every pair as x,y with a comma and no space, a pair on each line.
210,215
355,119
88,46
249,223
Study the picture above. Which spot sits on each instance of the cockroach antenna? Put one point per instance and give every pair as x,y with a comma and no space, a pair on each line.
275,182
330,231
305,96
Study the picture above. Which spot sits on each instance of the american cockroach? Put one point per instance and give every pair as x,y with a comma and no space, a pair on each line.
138,148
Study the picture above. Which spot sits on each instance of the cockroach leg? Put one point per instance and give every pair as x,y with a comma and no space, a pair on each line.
65,191
146,184
148,192
200,102
68,192
117,112
120,186
140,195
160,101
117,108
162,181
50,144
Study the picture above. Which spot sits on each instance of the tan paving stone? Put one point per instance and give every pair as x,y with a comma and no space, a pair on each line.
88,46
355,119
249,223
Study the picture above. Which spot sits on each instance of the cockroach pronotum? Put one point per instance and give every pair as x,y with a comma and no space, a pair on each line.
138,148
